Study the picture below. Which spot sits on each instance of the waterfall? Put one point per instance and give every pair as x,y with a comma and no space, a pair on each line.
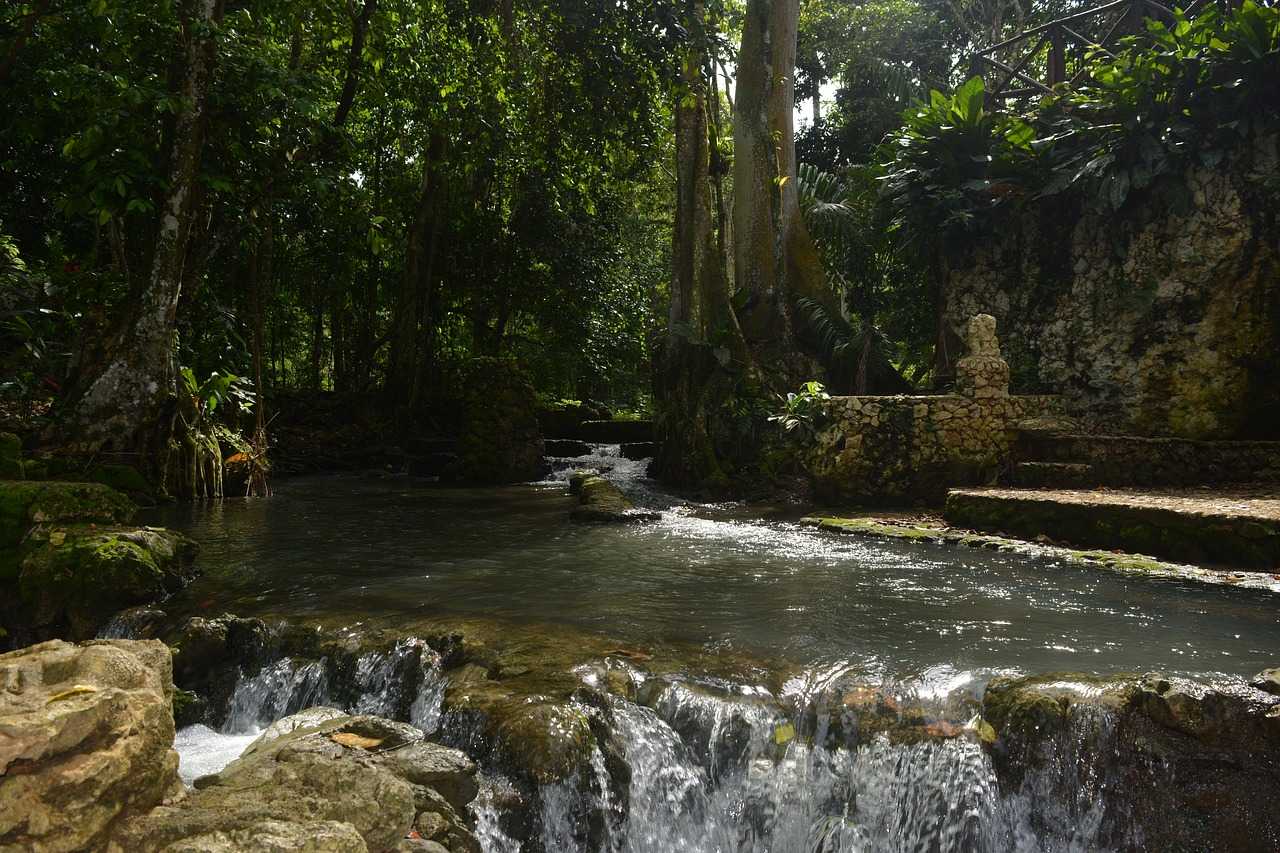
718,768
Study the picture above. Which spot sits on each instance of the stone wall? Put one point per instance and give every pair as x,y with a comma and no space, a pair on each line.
1162,318
913,448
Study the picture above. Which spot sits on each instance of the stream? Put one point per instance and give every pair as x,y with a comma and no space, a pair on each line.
712,761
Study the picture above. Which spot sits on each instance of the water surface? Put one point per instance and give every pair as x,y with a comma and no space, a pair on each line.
357,546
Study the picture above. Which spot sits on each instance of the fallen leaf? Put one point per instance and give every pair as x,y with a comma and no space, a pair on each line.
73,690
784,734
355,741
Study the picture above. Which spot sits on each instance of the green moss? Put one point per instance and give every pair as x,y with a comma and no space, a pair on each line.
74,577
122,478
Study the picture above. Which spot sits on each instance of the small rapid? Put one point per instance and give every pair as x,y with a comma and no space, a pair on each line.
687,765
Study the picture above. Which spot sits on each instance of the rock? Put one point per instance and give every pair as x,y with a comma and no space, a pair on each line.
1173,754
602,501
577,478
24,505
1268,680
124,478
309,718
341,775
72,578
10,457
566,448
86,741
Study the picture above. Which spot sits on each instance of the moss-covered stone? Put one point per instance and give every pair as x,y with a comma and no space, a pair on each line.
600,500
24,504
72,578
123,478
10,456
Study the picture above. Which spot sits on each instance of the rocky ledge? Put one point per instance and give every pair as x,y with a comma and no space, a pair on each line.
87,763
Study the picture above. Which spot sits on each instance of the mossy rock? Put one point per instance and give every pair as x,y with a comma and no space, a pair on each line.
600,500
26,504
10,450
123,478
73,578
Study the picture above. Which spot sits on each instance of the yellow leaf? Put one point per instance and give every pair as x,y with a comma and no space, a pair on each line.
73,690
784,734
355,741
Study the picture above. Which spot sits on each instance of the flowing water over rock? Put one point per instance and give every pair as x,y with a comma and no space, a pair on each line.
829,697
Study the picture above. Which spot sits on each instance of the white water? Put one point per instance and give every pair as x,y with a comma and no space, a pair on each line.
287,687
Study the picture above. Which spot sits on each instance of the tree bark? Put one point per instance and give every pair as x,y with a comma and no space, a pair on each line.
406,331
775,260
702,337
125,401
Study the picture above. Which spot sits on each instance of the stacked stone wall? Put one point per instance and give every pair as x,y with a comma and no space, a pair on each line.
910,448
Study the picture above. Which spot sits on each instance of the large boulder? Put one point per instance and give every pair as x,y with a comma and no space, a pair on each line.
86,741
72,578
500,440
356,783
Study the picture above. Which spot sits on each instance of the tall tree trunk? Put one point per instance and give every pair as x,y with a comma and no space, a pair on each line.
775,260
700,328
406,333
125,401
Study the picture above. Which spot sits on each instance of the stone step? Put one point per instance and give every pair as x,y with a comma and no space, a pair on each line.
1200,526
616,431
1126,460
1061,475
637,450
566,448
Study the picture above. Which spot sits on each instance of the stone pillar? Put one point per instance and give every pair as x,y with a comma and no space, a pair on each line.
982,373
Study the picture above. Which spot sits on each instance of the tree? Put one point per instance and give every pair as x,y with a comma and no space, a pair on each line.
124,400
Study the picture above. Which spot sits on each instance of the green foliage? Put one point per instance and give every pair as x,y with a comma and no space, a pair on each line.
1176,95
801,411
218,389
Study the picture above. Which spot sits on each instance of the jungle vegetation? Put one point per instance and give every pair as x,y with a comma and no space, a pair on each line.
687,207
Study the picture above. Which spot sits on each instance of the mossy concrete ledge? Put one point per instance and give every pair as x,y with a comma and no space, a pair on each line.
1186,530
921,530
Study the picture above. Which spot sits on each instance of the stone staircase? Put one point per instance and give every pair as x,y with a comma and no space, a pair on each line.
1045,457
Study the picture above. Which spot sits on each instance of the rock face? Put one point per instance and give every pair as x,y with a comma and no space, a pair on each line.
86,741
1161,318
320,782
499,440
1173,757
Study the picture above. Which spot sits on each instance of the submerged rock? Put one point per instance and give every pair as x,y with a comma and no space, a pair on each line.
72,578
86,741
600,500
355,782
